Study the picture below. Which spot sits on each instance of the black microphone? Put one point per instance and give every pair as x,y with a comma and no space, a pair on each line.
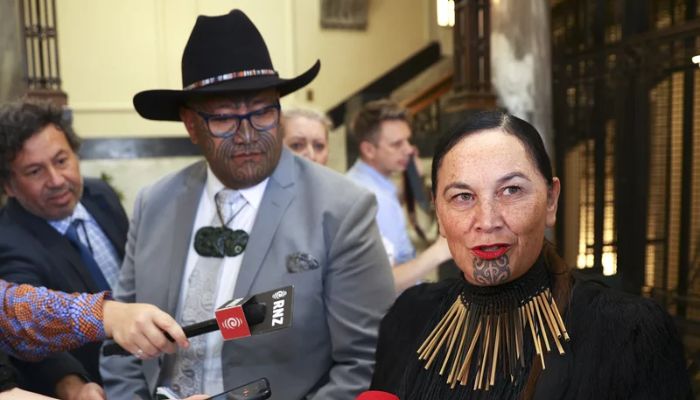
254,314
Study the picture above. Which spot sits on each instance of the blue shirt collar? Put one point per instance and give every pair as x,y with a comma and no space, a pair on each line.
376,177
80,212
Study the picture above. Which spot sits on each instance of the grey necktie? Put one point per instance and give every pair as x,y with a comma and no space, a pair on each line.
188,365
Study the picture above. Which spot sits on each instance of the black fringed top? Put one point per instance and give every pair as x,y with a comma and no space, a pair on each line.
622,347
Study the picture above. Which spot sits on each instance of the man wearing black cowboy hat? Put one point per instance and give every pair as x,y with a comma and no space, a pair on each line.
252,218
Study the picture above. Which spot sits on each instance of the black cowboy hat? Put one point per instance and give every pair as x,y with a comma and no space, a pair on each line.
223,54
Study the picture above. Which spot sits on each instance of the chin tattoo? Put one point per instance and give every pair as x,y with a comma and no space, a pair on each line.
492,272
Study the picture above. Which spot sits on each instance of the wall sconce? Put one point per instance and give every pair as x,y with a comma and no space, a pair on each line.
696,60
445,12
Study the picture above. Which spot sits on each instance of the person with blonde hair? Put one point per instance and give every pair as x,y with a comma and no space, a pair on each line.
306,133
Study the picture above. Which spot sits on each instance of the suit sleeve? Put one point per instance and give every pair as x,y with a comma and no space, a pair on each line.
18,267
122,377
359,289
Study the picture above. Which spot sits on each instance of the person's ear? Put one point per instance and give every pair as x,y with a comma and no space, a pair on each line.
188,118
367,150
439,228
7,187
437,217
553,202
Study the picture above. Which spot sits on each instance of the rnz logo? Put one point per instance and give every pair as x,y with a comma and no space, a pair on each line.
280,294
232,323
278,308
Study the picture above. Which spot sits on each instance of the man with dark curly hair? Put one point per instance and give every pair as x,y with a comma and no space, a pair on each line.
57,230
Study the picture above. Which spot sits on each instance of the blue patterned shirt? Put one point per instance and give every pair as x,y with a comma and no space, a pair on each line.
96,240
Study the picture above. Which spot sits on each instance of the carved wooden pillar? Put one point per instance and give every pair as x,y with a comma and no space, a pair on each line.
472,57
42,75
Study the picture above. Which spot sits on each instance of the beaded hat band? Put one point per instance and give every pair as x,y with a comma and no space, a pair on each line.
231,76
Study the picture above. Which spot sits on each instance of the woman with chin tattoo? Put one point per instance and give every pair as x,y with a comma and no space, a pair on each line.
518,324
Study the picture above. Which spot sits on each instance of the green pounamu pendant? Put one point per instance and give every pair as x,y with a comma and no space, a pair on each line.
220,242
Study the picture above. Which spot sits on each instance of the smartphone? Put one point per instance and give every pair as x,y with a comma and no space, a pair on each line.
165,393
256,390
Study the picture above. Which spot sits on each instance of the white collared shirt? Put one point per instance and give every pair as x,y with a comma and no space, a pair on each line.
228,275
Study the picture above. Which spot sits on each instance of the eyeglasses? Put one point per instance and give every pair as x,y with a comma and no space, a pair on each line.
224,126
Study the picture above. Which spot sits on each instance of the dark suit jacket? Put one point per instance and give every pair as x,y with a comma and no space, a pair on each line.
7,373
33,252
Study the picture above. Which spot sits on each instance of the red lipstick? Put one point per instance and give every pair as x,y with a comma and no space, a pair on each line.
490,251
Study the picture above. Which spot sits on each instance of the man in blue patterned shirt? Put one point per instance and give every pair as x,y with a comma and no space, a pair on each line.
57,230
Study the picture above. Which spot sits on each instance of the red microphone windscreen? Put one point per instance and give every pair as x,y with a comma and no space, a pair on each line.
232,322
376,395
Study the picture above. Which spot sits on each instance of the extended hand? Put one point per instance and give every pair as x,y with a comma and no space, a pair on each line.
139,328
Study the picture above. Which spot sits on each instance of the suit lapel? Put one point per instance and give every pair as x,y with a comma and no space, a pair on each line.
186,200
278,194
54,242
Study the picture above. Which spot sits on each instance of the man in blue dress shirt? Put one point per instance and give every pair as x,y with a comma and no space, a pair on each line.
382,131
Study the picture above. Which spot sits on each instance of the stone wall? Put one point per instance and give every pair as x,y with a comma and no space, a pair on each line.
521,62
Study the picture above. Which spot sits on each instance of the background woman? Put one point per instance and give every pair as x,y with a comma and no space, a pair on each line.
519,324
306,133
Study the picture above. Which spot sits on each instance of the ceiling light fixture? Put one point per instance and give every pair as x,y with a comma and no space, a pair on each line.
445,12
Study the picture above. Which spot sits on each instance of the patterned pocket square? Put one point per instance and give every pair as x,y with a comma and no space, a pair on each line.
300,262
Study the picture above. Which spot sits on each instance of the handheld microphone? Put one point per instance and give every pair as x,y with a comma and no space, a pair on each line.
238,318
254,314
376,395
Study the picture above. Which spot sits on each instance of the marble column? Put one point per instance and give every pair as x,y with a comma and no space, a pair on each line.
521,62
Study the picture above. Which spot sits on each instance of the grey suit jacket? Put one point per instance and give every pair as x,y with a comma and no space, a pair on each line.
328,353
